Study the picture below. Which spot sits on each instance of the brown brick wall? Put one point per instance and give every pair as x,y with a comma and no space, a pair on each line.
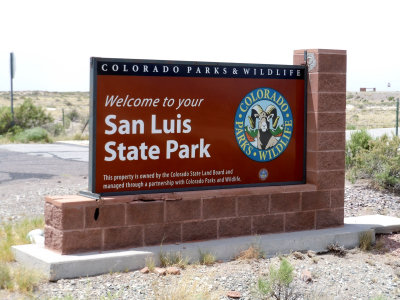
141,220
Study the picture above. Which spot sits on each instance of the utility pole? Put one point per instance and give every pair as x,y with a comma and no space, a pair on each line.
397,117
12,71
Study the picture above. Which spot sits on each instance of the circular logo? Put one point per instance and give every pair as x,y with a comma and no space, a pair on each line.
263,174
263,124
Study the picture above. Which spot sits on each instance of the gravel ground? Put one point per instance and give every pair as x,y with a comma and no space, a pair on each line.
357,275
25,180
361,200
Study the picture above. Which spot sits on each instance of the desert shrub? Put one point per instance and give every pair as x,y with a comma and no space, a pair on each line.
379,162
28,115
36,134
359,140
73,115
55,129
67,122
5,119
277,285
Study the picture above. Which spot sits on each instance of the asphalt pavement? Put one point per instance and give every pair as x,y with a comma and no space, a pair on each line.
376,132
69,150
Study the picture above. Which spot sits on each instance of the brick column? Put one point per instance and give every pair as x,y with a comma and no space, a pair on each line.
326,125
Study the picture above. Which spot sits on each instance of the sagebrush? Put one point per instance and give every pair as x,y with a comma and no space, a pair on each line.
278,283
27,115
27,125
375,159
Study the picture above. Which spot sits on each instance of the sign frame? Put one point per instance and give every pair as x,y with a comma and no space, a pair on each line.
94,61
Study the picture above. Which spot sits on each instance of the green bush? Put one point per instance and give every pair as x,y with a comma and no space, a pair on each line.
5,119
359,140
55,129
26,116
278,284
378,161
350,127
36,134
73,115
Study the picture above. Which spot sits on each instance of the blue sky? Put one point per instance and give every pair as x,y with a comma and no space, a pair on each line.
53,40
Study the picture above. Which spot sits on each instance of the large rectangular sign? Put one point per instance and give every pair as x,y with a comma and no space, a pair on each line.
161,126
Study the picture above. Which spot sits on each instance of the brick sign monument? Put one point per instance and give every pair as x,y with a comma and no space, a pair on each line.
187,151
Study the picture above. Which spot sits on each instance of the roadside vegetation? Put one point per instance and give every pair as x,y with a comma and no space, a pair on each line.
43,117
278,283
377,160
365,110
26,125
12,276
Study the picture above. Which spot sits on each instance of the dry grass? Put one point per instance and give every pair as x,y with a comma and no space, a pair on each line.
26,280
206,258
380,245
253,252
168,259
186,287
371,109
16,234
5,277
150,263
19,279
365,240
16,278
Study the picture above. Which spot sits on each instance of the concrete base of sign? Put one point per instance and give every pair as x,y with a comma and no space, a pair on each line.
381,224
57,266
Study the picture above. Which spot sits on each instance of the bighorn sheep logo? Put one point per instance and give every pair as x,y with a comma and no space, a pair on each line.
268,119
263,124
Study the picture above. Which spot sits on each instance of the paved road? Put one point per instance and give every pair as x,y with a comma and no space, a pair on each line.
29,172
63,150
376,132
42,161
